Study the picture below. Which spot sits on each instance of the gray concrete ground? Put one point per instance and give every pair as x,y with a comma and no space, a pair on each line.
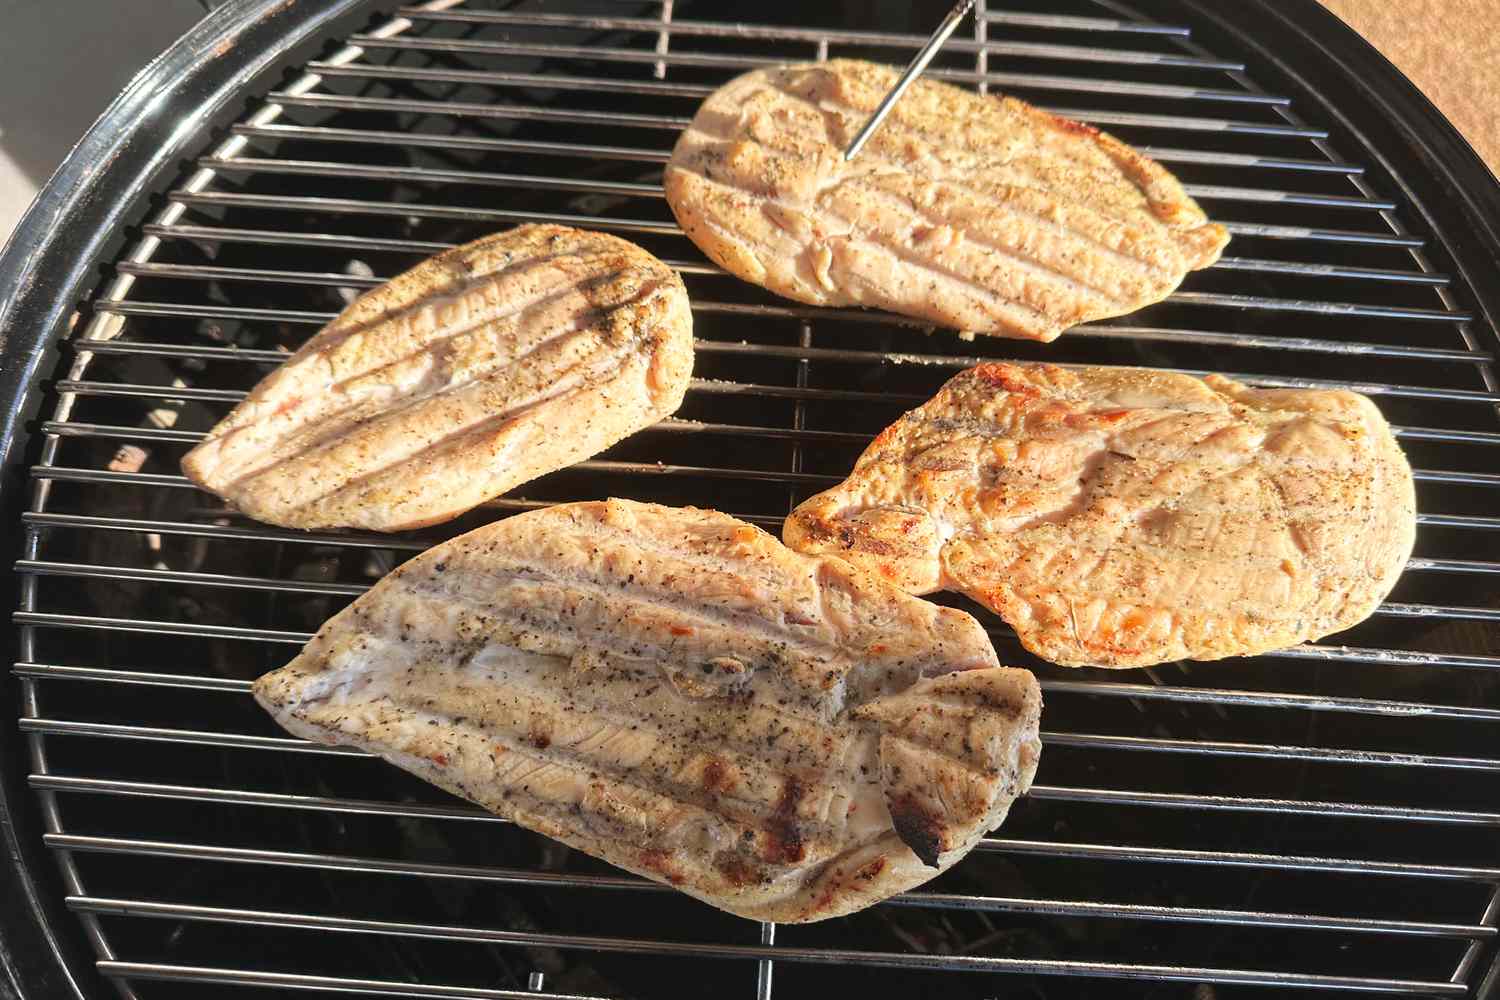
61,63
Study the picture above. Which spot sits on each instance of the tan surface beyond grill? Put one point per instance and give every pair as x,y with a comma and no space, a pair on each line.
476,371
1125,517
978,213
676,692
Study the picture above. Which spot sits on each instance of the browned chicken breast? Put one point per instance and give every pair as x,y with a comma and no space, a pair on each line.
972,212
676,692
476,371
1124,517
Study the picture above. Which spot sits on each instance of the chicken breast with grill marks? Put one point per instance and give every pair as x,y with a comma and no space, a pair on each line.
474,372
974,212
676,692
1124,517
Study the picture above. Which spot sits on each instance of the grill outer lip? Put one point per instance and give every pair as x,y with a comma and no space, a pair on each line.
1372,102
51,265
52,261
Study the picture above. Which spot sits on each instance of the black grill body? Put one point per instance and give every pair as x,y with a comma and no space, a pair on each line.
1320,820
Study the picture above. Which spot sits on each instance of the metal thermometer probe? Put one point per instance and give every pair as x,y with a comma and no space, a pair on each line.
918,64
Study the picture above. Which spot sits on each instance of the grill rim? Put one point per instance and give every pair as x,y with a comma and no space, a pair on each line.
1391,114
52,263
97,198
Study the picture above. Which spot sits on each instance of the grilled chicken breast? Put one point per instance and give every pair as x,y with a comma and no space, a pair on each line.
476,371
972,212
1124,517
676,692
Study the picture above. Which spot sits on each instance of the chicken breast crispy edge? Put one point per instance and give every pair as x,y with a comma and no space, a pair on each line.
949,497
765,217
486,451
954,748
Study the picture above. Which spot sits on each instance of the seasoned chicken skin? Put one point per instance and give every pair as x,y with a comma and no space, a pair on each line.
1124,517
973,212
676,692
476,371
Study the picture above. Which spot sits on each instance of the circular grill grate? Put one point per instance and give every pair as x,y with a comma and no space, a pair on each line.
1322,817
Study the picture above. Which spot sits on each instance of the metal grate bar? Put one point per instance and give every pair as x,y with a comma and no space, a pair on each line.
136,789
740,30
1103,796
709,386
1276,232
668,425
157,734
675,123
1443,434
420,140
1419,564
815,36
217,234
561,81
65,473
147,574
982,52
512,876
1406,610
272,800
255,532
1475,949
333,168
457,109
1165,154
335,241
341,280
202,272
48,618
1456,521
322,133
853,355
602,53
933,900
1271,699
1070,23
675,426
251,531
1316,306
499,78
334,862
1238,859
1190,695
350,206
1291,807
1223,748
695,267
51,671
1219,748
1225,192
324,984
1394,657
464,109
839,956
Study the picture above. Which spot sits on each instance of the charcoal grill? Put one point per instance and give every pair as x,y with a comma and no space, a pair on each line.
1319,819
